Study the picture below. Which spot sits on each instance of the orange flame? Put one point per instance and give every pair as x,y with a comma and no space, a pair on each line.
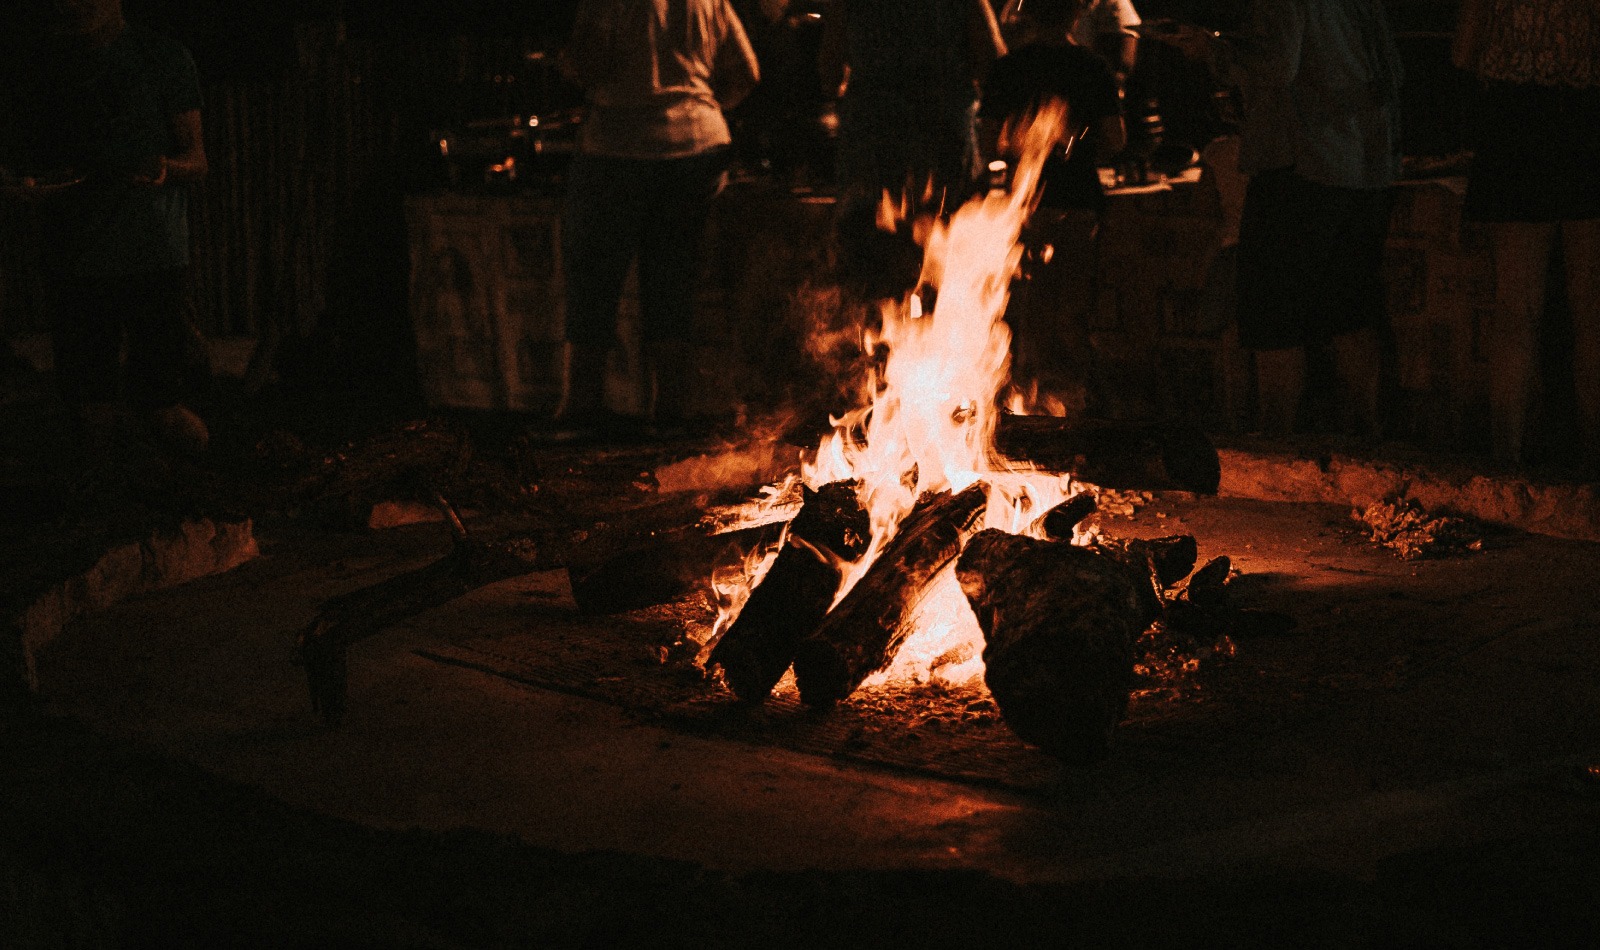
931,410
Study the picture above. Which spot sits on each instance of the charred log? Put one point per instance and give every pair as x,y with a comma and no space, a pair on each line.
653,555
1060,522
1059,624
861,634
1169,559
323,645
1208,586
1128,455
1204,609
793,598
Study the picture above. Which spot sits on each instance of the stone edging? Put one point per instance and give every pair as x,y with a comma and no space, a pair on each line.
165,559
1562,510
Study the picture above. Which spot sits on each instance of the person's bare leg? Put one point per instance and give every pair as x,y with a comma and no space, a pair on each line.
1521,263
1580,248
1280,381
1356,363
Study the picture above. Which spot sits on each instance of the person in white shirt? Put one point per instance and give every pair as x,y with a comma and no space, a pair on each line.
657,76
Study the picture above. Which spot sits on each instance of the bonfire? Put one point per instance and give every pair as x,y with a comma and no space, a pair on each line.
921,552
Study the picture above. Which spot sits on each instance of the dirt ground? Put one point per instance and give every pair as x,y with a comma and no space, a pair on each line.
1401,769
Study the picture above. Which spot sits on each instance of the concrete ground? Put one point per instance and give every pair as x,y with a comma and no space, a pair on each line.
1401,769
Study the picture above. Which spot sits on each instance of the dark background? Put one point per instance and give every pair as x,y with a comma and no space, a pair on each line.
321,115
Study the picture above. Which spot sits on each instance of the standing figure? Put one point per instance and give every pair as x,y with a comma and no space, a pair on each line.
657,76
907,116
1320,83
1050,346
102,130
1107,27
1535,179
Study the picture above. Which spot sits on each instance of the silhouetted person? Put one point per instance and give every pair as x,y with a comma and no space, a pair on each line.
657,75
1535,178
909,70
1054,66
1106,26
1320,82
102,130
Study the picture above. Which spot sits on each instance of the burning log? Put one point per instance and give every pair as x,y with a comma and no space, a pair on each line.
1059,624
793,598
654,555
861,634
1129,455
657,532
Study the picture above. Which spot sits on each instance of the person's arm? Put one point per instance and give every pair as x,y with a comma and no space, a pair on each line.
736,70
1121,38
583,58
188,162
984,44
1467,46
1124,48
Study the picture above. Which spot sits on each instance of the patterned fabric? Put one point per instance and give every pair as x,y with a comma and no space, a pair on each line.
1548,42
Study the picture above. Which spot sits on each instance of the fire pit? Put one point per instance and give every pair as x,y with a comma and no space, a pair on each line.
929,550
929,540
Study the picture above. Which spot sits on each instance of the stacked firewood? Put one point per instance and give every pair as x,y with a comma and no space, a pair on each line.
1061,621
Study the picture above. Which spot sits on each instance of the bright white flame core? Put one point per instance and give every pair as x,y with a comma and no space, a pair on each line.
930,417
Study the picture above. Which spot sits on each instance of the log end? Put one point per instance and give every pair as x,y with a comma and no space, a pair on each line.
748,678
1059,624
1067,711
1190,459
821,673
1061,522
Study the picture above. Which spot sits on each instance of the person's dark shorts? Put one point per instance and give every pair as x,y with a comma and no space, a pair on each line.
1536,154
1310,261
653,210
94,319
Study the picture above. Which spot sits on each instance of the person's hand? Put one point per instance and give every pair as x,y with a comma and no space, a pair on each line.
15,187
153,176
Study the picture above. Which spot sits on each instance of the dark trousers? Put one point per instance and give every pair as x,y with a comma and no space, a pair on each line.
92,319
1310,261
621,209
